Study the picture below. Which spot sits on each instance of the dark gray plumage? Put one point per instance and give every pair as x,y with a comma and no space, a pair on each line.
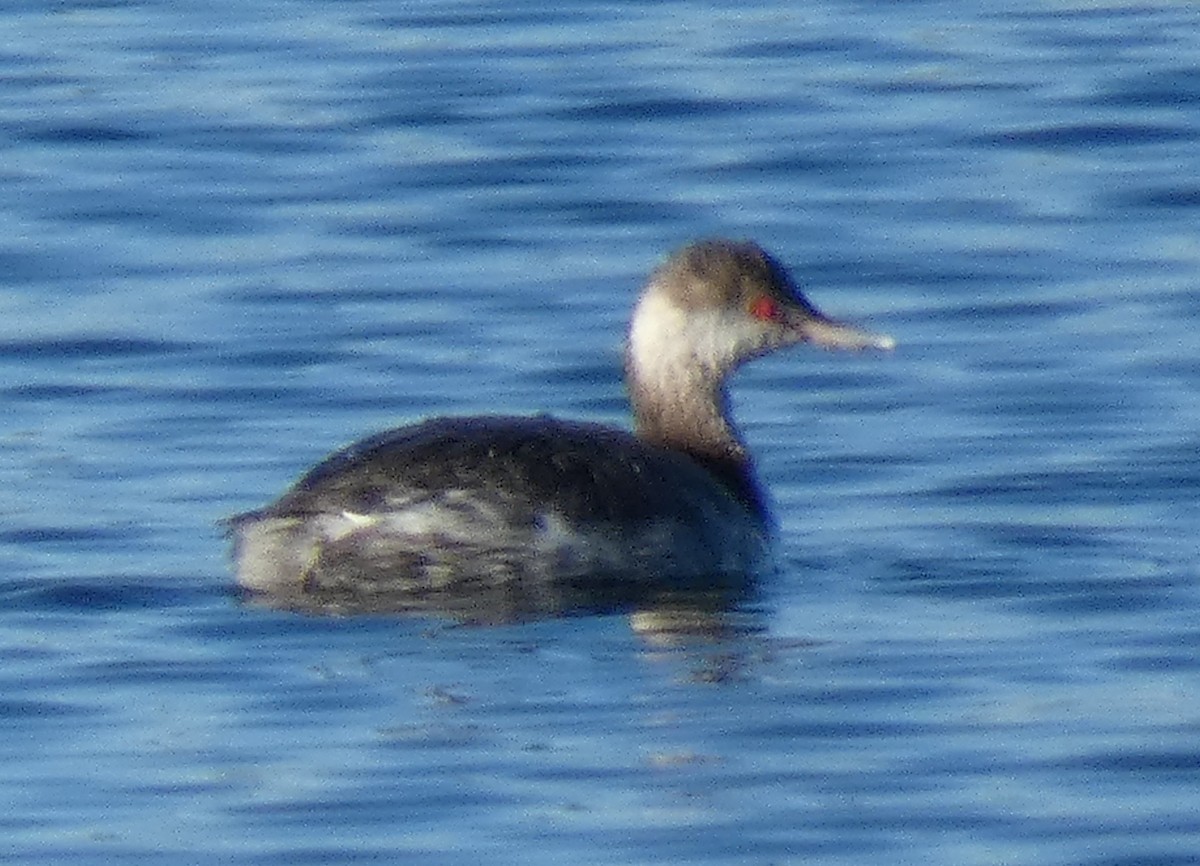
496,516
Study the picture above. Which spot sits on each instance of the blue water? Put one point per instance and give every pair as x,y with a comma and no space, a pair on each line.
235,236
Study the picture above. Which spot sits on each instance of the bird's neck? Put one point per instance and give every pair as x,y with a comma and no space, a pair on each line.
677,390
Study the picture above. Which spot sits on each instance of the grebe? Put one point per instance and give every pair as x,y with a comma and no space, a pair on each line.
534,514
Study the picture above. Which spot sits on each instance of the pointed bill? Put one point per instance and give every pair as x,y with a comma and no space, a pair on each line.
829,334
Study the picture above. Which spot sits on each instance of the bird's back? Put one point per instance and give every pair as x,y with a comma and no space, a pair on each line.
521,504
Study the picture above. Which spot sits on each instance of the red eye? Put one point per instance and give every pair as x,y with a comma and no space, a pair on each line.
765,309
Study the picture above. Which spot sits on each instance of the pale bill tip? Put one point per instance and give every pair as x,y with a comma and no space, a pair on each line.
838,335
885,342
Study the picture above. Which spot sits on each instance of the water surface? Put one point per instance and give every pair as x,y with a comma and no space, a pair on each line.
236,237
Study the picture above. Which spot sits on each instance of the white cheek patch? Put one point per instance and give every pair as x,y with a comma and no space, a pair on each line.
668,344
656,337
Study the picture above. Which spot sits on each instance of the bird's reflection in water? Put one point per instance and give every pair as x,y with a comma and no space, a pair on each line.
662,616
